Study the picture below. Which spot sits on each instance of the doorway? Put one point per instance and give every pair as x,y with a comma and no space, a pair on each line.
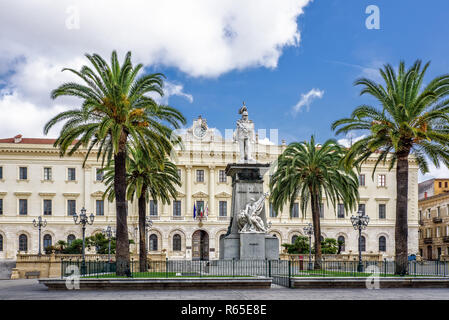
200,245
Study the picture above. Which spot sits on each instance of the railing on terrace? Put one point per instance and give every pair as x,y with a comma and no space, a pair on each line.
279,270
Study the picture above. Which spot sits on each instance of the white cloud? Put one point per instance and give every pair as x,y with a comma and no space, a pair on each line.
350,139
306,99
201,38
434,172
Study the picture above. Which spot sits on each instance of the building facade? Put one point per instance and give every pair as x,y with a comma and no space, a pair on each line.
432,187
434,226
35,180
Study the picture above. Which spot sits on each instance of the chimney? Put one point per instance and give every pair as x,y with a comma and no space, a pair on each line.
18,138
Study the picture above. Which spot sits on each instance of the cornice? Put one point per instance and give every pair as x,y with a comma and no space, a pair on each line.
47,194
22,193
200,195
71,194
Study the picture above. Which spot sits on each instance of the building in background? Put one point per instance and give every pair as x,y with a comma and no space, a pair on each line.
35,180
432,187
434,226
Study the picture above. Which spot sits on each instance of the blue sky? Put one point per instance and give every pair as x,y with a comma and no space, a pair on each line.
335,49
217,54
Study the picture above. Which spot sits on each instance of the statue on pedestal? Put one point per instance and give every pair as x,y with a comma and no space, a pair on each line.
249,220
245,136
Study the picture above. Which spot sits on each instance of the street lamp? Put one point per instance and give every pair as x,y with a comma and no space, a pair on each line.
83,220
40,224
109,233
360,222
308,230
148,225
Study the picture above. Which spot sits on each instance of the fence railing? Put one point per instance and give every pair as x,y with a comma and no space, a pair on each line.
276,269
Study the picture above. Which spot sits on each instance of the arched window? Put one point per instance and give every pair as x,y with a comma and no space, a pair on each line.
382,244
47,241
321,238
1,242
176,242
70,239
294,239
153,242
362,244
23,242
341,242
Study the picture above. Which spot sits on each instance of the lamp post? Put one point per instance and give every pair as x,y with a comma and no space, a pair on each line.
360,222
83,220
148,225
109,233
308,230
40,224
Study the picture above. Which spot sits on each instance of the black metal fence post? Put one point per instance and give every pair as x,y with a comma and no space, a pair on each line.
166,267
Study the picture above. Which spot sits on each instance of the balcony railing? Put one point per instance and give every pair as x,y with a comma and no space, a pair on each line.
437,220
428,240
446,239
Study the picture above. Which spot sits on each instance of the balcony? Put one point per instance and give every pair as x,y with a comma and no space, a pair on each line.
428,240
420,222
437,220
446,239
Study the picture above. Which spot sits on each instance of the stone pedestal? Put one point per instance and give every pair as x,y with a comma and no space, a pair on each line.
247,184
252,246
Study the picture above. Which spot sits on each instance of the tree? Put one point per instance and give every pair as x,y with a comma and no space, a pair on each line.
412,120
300,246
146,177
329,246
309,172
116,110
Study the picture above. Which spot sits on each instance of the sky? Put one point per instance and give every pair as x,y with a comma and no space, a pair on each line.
293,62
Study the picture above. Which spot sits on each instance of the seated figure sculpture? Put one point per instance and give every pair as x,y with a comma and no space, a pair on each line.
249,220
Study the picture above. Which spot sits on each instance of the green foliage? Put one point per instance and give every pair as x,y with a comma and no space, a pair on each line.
75,247
100,243
301,246
329,246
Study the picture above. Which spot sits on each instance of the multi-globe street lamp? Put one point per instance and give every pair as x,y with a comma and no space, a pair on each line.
83,220
360,222
109,233
40,224
308,230
148,225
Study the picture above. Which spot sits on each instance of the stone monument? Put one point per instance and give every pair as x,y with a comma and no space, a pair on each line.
247,237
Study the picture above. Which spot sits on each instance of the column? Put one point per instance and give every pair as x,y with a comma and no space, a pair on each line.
188,191
212,212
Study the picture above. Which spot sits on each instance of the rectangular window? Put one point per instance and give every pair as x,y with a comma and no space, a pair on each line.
223,208
100,207
23,207
321,210
179,174
439,184
438,232
382,211
23,173
71,207
47,207
153,208
1,206
1,172
428,233
47,174
381,180
177,208
438,212
295,210
445,184
341,210
199,175
71,174
222,176
361,208
99,174
362,180
272,212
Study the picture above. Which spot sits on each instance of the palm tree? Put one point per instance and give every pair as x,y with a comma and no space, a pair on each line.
309,172
145,177
412,120
115,110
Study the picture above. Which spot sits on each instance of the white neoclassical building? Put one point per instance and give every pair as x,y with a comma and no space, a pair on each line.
36,181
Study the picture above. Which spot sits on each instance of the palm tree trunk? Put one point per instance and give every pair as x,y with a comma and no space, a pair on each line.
142,233
401,228
122,242
316,229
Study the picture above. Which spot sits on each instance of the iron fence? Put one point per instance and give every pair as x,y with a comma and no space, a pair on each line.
281,271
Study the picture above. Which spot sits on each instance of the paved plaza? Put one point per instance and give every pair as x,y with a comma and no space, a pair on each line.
25,289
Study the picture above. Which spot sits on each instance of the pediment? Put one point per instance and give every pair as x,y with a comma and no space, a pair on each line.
200,194
223,195
97,194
